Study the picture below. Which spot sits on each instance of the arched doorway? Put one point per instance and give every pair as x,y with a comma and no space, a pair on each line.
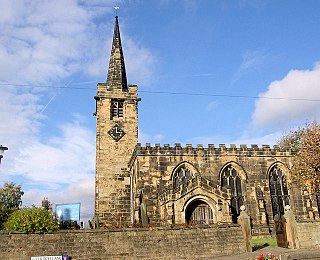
199,212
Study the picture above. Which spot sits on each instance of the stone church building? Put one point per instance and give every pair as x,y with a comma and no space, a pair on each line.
175,185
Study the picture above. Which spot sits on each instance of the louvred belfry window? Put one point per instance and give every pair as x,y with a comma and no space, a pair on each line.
117,108
230,179
278,191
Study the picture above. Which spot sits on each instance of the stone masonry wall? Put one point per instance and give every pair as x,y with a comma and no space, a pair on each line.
176,243
112,187
152,168
308,234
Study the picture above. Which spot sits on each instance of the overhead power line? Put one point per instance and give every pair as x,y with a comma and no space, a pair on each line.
229,96
49,86
73,86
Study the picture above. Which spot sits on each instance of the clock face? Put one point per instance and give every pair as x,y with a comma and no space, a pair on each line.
116,132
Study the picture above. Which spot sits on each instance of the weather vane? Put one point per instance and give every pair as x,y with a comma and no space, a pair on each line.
116,8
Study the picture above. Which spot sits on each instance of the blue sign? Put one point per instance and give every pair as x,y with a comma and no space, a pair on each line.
65,212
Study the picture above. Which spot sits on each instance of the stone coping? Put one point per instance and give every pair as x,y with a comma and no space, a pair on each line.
133,229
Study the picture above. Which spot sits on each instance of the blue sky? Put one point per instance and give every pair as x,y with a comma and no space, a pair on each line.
207,71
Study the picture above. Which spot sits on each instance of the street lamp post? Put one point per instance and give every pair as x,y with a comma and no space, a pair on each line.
2,149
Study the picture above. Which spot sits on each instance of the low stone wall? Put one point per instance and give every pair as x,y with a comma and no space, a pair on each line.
308,233
175,243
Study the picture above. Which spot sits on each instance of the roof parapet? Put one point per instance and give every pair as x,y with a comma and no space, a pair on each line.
211,148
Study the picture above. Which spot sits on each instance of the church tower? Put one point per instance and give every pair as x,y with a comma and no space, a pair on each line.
116,138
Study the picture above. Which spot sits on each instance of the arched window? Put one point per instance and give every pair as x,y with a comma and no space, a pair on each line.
278,191
230,179
181,175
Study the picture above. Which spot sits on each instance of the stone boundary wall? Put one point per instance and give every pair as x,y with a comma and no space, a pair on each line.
308,233
158,243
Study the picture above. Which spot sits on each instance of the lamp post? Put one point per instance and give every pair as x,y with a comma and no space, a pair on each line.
2,149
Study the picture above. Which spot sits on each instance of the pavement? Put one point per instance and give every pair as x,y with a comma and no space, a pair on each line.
282,253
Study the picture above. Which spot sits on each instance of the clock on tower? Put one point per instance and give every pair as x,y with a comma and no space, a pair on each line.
116,132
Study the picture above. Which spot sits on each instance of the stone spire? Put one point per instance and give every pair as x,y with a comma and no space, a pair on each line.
117,77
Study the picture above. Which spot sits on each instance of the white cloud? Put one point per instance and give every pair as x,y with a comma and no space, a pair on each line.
279,113
204,140
138,69
40,42
64,159
20,119
44,42
248,137
61,168
82,192
145,138
251,60
211,106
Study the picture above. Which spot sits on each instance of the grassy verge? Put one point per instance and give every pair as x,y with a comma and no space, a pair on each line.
263,242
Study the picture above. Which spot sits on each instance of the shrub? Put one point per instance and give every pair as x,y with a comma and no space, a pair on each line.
32,220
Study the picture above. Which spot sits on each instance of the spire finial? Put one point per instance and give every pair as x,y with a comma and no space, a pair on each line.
116,8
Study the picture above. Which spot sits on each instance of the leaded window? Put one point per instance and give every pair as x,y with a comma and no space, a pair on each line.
278,191
117,108
230,179
181,176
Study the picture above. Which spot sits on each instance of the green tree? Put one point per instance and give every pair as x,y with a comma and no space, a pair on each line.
306,170
32,220
10,200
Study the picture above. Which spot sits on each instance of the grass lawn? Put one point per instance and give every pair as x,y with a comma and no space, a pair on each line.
262,242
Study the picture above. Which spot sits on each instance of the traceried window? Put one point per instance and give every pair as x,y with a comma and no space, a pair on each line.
116,108
230,179
278,191
181,175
